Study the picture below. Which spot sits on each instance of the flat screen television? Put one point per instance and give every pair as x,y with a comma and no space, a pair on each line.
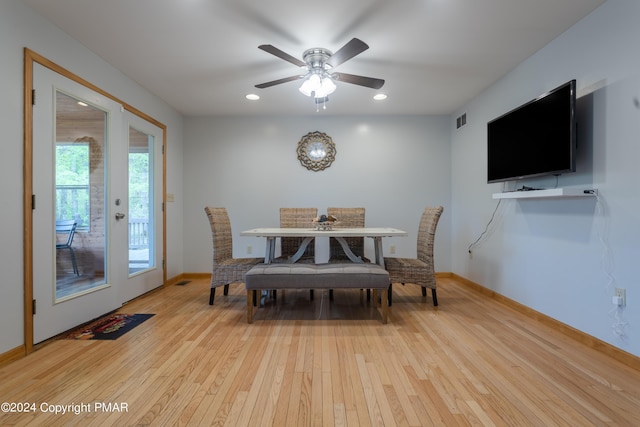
535,139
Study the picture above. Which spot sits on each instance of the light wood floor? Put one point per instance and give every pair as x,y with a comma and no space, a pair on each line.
471,361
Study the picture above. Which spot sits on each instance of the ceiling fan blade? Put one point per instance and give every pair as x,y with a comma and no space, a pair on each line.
359,80
282,55
348,51
279,81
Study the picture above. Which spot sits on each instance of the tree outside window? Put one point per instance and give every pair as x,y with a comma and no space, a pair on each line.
139,185
72,183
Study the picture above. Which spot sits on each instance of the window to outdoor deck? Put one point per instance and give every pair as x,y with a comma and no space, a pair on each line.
72,183
141,217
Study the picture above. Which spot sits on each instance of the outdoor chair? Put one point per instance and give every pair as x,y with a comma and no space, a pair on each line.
67,229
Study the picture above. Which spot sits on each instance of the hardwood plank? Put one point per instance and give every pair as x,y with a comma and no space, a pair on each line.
282,402
304,401
293,406
373,408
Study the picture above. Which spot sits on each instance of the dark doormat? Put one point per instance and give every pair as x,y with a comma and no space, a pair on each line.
110,327
184,282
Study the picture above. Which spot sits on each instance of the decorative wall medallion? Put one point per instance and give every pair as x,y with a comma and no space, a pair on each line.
316,151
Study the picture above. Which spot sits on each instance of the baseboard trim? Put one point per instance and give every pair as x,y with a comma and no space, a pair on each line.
12,355
590,341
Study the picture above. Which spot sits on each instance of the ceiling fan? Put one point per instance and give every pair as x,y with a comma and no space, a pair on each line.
318,79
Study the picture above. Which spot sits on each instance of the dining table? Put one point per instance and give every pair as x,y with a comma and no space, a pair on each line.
309,233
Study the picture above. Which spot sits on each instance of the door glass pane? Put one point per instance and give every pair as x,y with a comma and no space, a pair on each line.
141,217
79,197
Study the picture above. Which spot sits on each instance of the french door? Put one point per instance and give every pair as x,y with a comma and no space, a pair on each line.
83,143
144,206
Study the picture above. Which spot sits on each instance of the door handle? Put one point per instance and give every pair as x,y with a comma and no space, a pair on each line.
119,216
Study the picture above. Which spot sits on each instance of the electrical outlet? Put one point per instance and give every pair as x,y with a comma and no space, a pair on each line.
249,250
392,249
622,293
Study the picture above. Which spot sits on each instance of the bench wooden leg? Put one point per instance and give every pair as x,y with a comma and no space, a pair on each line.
385,305
250,295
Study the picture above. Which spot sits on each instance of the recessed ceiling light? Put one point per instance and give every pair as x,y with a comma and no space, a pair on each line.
252,97
379,96
83,104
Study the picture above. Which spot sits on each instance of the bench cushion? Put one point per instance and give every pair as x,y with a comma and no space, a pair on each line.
316,276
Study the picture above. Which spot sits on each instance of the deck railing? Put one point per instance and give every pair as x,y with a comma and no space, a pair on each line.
138,233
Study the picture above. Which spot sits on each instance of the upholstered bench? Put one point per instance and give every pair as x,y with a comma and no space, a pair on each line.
345,275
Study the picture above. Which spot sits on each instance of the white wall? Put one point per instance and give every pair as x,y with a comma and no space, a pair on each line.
548,254
19,28
392,166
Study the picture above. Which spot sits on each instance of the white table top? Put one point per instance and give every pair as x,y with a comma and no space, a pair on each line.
336,232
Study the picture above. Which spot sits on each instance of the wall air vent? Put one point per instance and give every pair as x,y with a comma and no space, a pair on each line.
461,121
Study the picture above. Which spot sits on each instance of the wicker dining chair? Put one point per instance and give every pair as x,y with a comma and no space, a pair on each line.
420,270
347,218
296,218
226,268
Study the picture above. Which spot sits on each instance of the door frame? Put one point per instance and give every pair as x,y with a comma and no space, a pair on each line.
31,57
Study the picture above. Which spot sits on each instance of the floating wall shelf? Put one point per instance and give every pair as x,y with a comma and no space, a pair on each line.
545,194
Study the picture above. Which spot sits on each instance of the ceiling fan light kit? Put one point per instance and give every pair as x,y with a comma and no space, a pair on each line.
320,86
318,81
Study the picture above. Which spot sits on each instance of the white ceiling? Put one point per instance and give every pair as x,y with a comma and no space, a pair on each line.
202,56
